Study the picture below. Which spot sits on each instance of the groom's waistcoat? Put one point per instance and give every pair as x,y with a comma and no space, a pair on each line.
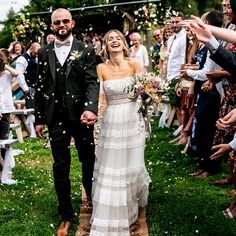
60,93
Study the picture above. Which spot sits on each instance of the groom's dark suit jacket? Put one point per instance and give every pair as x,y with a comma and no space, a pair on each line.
80,83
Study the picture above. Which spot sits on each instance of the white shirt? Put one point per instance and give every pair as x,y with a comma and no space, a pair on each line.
232,144
21,66
176,46
141,55
6,100
209,66
63,51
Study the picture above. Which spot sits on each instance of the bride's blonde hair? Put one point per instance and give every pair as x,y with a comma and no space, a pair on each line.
105,53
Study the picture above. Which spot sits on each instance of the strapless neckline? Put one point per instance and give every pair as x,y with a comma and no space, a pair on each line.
124,78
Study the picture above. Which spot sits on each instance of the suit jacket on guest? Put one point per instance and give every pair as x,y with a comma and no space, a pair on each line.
226,59
80,83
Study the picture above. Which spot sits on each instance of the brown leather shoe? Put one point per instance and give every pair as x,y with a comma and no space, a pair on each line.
223,182
231,193
64,228
196,173
203,175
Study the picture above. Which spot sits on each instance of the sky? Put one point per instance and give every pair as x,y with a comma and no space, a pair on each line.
7,4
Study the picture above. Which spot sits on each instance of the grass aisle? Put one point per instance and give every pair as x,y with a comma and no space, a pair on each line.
178,204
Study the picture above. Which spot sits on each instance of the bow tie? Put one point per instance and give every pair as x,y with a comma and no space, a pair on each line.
62,43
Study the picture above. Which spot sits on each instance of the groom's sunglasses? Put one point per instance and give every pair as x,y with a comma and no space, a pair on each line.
58,22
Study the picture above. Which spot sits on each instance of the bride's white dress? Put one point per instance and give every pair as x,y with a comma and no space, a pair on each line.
121,181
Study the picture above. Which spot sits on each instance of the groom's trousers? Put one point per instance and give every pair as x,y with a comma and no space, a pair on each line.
60,132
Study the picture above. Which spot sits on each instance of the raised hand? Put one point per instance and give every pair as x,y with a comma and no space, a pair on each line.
227,121
220,150
198,28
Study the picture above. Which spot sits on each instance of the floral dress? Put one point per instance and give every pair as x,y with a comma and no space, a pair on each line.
227,105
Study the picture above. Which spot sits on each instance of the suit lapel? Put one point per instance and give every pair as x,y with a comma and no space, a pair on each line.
52,60
73,48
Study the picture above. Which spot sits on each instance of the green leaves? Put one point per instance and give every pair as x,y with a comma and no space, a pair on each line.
27,28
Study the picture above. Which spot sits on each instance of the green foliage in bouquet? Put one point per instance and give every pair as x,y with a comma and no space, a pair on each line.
169,91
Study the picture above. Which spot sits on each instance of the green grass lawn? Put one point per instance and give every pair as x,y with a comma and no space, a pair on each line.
178,204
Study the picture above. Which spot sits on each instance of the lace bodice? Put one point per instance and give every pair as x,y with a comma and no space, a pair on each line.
115,91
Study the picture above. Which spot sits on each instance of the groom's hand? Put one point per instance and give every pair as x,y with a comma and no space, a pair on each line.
39,130
88,118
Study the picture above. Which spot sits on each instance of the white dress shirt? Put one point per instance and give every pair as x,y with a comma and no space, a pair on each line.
176,46
21,66
6,100
209,66
63,51
232,144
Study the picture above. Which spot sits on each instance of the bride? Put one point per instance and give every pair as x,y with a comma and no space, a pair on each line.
120,179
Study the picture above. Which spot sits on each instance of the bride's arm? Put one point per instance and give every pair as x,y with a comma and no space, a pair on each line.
102,98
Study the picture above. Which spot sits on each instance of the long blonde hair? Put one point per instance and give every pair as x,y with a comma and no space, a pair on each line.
105,53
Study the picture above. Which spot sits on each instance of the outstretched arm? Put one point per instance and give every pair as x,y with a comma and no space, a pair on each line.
204,33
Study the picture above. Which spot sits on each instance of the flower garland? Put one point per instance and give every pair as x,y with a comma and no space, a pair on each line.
26,28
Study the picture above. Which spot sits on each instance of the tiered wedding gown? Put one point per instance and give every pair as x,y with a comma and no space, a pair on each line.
121,180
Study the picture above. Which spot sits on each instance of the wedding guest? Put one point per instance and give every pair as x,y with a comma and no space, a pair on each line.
207,110
139,51
17,50
164,52
66,100
50,38
228,82
223,149
176,50
27,65
157,35
120,186
7,76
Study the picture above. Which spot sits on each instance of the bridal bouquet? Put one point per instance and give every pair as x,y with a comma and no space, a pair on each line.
145,88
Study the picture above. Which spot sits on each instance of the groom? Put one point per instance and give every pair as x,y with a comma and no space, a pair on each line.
66,100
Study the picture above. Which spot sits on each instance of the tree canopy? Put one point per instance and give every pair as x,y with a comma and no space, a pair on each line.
14,27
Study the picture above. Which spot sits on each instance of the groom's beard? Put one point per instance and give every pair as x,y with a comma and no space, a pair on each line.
63,34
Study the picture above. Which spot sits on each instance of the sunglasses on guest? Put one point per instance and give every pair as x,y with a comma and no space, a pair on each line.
58,22
157,35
